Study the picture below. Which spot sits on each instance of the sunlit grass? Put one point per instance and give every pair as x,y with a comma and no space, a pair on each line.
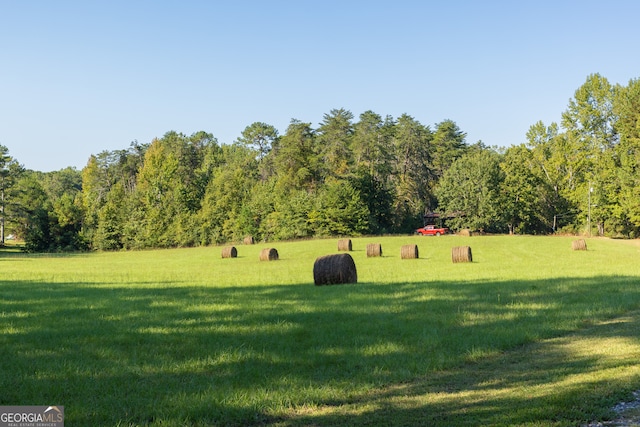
562,381
184,337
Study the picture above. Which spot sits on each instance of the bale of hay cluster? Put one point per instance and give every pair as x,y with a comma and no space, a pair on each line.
268,254
334,269
229,252
374,249
249,240
461,254
579,245
409,252
344,245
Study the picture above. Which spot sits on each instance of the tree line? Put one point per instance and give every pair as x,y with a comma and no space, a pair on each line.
347,176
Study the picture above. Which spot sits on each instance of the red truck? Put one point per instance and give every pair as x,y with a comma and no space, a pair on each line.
432,230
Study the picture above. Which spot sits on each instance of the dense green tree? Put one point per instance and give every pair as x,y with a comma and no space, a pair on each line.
296,160
334,141
470,189
289,218
372,148
520,192
64,181
158,180
112,216
10,172
590,127
104,172
221,217
447,146
377,197
557,167
196,156
263,138
127,164
260,137
171,185
27,197
45,232
261,202
95,187
627,111
413,174
63,190
38,233
53,224
339,211
590,114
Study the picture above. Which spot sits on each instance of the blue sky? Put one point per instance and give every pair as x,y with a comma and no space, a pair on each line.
81,77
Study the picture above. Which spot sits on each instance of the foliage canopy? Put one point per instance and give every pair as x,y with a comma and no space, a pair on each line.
372,175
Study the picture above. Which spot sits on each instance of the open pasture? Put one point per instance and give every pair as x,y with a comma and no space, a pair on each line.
529,333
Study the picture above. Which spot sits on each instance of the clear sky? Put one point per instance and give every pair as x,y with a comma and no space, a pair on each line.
80,77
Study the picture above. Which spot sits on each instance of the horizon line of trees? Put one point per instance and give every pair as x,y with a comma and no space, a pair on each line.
373,175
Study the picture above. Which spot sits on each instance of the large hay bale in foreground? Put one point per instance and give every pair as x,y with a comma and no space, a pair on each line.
249,240
334,269
229,252
268,254
374,249
344,245
579,245
409,252
461,254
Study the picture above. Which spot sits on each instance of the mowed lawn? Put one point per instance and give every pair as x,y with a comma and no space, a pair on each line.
529,333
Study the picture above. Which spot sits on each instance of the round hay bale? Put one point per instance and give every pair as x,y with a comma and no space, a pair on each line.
409,252
334,269
268,254
579,245
374,249
249,240
465,232
344,245
229,252
461,254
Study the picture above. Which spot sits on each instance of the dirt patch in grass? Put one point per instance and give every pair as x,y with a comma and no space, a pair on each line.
627,414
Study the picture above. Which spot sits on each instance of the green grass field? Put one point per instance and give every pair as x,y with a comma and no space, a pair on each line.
530,333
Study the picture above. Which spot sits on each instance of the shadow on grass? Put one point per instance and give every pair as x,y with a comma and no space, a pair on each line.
565,381
440,353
